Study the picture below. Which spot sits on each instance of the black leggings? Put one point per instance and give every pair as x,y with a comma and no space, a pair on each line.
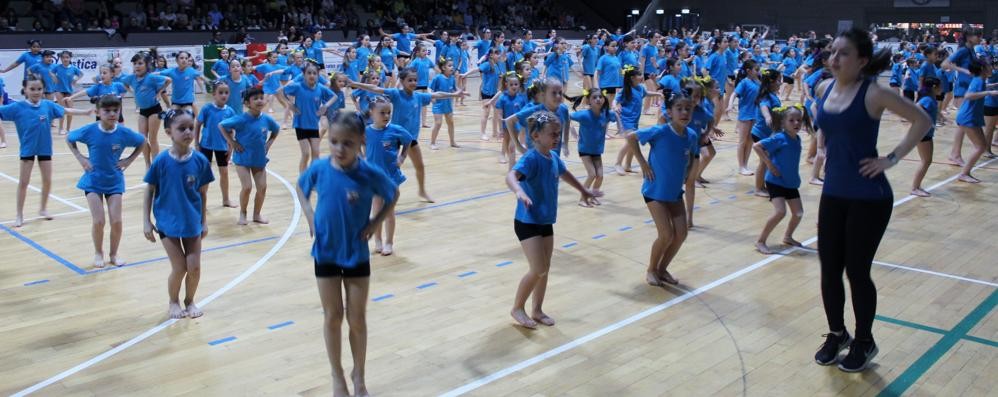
849,232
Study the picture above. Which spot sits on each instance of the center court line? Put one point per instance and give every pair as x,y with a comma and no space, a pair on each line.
52,215
477,383
915,269
53,196
204,302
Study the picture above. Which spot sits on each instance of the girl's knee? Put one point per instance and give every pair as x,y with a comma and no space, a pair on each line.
194,268
334,316
779,213
99,221
357,320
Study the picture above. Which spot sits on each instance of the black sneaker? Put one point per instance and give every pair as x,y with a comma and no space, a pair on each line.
859,357
828,353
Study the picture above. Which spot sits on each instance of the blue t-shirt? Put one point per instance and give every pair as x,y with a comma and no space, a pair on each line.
592,130
44,70
383,146
406,108
340,103
991,100
789,66
630,111
33,124
252,134
528,110
717,68
703,115
105,149
362,57
183,83
962,58
404,41
589,57
177,200
350,69
423,66
629,58
927,69
609,67
897,73
747,90
482,47
510,105
442,83
971,113
66,75
731,59
760,128
146,89
557,66
98,90
388,57
911,80
28,60
649,53
343,208
273,82
221,67
668,158
236,89
490,78
308,100
784,152
539,181
363,99
210,116
929,104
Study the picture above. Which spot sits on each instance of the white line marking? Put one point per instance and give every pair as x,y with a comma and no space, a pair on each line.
204,302
477,383
53,196
53,215
947,275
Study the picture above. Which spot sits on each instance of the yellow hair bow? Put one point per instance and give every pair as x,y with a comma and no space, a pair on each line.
604,93
442,59
626,69
585,92
784,108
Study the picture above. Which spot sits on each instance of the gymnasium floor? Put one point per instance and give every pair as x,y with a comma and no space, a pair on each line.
741,323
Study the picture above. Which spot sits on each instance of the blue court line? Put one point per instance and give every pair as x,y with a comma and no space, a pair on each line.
569,245
35,282
732,197
625,228
910,324
981,341
427,285
647,221
696,207
599,236
506,263
221,341
280,325
163,258
940,348
383,297
31,243
449,203
467,274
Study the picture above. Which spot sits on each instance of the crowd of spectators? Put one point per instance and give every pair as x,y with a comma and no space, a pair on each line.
349,16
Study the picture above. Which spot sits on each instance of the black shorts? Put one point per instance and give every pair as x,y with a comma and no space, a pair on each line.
610,91
327,270
895,85
321,66
40,158
733,78
677,200
909,94
788,80
754,138
485,96
421,88
102,195
649,76
530,230
991,111
221,156
706,142
780,191
151,111
926,139
388,73
596,157
64,93
303,134
180,105
404,55
940,97
588,74
413,143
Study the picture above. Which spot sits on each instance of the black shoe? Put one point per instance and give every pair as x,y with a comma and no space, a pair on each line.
828,353
859,357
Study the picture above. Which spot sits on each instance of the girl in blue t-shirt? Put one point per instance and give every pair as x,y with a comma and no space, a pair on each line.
103,177
664,171
443,109
308,98
780,153
177,186
788,68
33,118
340,225
490,72
608,71
386,148
931,88
766,101
337,82
746,89
991,114
712,94
65,76
628,104
147,87
44,71
28,58
250,136
511,101
209,139
589,54
592,136
970,118
534,180
105,86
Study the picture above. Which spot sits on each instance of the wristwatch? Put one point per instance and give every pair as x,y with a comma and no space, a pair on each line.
893,158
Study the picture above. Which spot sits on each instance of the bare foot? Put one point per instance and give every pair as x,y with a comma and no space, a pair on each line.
242,219
791,242
816,181
193,311
668,279
434,146
176,311
3,145
632,169
502,159
652,279
485,137
957,161
114,260
387,250
701,180
763,248
377,246
583,203
542,318
920,192
619,169
257,218
19,221
426,197
810,160
45,214
359,386
340,388
762,193
598,193
989,155
229,204
521,318
455,145
746,172
699,185
968,179
99,260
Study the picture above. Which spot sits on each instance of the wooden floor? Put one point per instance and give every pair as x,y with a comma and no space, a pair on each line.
741,324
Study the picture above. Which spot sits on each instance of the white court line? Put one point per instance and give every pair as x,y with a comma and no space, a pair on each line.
54,197
204,302
477,383
40,217
141,185
915,269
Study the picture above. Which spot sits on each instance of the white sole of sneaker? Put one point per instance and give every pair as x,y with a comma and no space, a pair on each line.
866,364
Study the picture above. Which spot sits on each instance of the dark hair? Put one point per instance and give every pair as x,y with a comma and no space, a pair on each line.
33,42
588,96
251,92
309,65
749,64
171,115
539,119
442,62
405,72
673,98
928,50
48,53
976,66
217,83
877,62
536,88
628,75
109,101
769,76
373,100
349,120
928,84
65,52
506,77
29,78
778,115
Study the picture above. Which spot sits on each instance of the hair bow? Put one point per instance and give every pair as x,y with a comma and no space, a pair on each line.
626,69
585,92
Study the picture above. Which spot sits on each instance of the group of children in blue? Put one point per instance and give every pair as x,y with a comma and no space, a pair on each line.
694,77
